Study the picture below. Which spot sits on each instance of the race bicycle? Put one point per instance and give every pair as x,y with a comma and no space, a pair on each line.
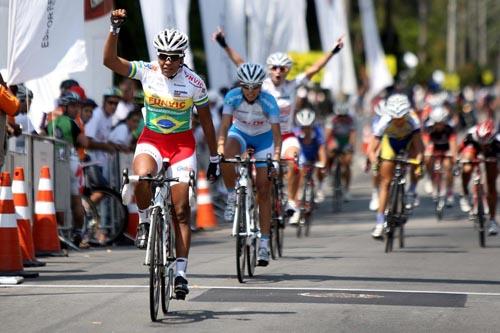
438,178
160,250
307,200
396,213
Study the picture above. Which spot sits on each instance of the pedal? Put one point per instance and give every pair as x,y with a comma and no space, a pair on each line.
180,295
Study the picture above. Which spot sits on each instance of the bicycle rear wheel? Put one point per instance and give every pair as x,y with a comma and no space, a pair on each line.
113,216
240,213
480,217
252,247
168,278
337,188
156,277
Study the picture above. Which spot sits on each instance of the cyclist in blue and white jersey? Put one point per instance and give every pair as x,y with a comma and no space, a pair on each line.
284,90
250,118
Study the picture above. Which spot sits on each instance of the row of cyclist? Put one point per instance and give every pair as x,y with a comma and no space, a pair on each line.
258,114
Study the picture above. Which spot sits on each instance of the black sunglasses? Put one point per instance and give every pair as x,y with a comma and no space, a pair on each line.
170,57
281,68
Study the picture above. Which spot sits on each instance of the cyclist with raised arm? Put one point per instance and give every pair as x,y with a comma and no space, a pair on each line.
398,130
171,92
485,140
250,119
284,91
312,148
440,138
340,134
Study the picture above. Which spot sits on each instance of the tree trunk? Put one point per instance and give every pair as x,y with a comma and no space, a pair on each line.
451,36
423,11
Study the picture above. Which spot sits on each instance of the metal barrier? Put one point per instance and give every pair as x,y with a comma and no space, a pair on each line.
34,152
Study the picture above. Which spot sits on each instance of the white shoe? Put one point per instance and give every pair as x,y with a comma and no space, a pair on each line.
493,228
263,257
290,208
319,196
295,218
347,196
378,231
428,188
412,200
464,204
127,194
450,200
230,206
374,201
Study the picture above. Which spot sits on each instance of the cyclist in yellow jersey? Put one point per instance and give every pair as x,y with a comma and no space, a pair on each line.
398,130
171,91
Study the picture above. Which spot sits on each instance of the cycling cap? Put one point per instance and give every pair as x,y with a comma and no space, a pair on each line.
485,131
90,102
22,93
341,108
66,84
397,106
112,92
305,117
379,108
251,74
279,59
68,98
171,40
439,114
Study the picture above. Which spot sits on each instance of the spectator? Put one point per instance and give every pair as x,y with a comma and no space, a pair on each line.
24,96
8,107
122,133
126,105
98,129
88,109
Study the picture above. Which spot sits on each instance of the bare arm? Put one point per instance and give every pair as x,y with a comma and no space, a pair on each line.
205,118
373,150
275,128
322,154
352,139
318,65
219,37
110,55
224,127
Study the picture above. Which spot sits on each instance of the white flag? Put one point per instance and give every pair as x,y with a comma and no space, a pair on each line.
380,77
40,34
227,14
339,73
276,26
160,15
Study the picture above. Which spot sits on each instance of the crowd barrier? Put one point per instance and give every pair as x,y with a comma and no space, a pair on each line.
32,152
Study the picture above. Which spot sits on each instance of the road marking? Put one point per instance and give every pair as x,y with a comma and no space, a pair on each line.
304,289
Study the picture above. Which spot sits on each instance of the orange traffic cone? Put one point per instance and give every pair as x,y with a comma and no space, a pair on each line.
23,216
45,225
11,261
205,217
133,219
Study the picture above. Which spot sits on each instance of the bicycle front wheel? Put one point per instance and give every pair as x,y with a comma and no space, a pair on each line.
480,216
156,277
113,215
337,189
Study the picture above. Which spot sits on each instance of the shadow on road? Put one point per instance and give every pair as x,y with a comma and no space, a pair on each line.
189,317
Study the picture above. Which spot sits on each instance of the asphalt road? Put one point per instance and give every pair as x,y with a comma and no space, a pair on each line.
337,280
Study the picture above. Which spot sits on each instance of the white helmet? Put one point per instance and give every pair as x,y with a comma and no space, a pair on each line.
341,108
305,117
171,40
251,74
397,106
439,114
379,108
279,59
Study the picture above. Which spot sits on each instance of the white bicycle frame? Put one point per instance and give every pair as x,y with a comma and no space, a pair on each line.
243,183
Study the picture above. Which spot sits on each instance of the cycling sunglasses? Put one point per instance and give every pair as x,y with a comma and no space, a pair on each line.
251,86
281,68
169,56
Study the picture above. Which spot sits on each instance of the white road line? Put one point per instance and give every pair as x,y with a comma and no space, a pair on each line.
116,286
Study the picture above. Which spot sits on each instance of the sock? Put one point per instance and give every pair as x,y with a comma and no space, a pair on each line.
380,218
264,241
413,187
143,216
181,267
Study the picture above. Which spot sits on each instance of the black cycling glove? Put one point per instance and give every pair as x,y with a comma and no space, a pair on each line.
213,171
